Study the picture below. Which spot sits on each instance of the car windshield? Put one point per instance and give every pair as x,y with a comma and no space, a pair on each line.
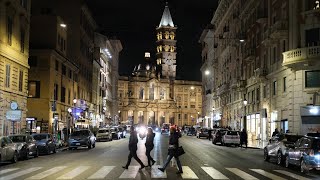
80,133
18,138
232,133
103,131
39,137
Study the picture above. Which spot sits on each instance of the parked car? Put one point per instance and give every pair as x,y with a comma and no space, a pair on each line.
217,135
122,132
8,150
202,132
45,143
115,133
26,145
231,138
304,153
104,134
191,131
81,138
278,146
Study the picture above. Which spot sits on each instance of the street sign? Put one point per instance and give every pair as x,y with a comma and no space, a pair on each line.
14,115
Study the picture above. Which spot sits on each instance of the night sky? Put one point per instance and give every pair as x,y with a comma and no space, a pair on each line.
134,23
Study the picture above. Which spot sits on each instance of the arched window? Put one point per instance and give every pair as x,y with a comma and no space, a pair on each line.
141,93
151,92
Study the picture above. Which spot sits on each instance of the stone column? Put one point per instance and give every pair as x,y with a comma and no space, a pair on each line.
145,117
135,117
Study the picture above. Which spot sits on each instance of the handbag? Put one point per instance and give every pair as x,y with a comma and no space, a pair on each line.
180,151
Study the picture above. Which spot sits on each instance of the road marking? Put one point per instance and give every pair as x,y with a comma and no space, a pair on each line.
7,170
241,174
130,173
156,173
267,174
292,175
75,172
101,173
188,173
47,173
20,173
215,174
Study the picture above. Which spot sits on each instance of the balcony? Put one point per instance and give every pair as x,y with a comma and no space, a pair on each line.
249,55
279,29
260,73
238,84
223,89
303,58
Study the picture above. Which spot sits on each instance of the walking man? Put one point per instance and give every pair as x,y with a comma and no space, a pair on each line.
244,138
133,141
172,150
149,146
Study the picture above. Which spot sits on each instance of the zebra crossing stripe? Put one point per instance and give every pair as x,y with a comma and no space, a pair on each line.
292,175
7,170
156,173
47,172
130,173
101,173
241,174
188,173
215,174
75,172
20,173
267,174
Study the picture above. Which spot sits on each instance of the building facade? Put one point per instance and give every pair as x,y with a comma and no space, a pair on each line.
262,58
152,94
14,53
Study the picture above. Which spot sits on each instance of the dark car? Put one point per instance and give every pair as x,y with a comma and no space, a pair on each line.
165,128
26,145
81,138
304,153
202,132
217,135
191,131
45,143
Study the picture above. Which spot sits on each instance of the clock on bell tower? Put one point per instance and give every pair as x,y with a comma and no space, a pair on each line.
166,45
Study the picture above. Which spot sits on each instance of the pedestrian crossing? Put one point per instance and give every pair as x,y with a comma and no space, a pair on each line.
84,172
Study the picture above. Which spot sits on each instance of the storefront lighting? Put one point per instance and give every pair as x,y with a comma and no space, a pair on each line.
314,110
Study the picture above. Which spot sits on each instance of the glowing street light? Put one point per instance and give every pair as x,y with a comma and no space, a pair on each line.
207,72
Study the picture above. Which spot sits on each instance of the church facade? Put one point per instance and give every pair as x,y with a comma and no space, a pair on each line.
152,94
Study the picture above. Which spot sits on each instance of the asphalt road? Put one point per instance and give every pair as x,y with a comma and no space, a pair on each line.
202,160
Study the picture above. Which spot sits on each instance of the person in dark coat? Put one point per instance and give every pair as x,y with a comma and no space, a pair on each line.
133,141
244,138
275,132
172,150
149,146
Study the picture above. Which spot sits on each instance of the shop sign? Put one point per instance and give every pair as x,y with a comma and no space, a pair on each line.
31,119
14,115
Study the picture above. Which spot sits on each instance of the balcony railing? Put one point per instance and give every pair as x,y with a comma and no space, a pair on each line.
299,59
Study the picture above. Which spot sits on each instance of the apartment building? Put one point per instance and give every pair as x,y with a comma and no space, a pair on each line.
14,53
264,66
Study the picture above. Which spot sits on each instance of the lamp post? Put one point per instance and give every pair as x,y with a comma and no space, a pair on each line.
245,102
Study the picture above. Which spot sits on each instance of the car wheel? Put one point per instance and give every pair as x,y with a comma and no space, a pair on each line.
48,150
279,158
15,157
26,157
89,145
287,164
265,155
94,145
54,150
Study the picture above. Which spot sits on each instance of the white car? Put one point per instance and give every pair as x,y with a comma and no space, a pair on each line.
104,134
231,138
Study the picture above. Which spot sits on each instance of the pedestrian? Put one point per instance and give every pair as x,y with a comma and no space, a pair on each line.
133,141
149,146
209,134
172,150
244,138
276,131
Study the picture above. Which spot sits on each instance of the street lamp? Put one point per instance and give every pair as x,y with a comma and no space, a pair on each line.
245,102
207,72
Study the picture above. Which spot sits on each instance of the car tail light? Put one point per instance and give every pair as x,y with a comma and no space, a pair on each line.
311,153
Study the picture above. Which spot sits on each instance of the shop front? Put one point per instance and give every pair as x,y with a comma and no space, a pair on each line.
310,119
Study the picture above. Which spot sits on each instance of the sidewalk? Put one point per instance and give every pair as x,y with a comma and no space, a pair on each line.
257,144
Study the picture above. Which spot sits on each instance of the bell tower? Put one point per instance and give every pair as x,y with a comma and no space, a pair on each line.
166,45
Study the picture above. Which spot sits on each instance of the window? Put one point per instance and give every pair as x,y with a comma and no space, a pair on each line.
274,54
55,92
69,96
151,92
33,61
274,88
7,83
312,79
258,94
64,69
284,84
63,94
185,116
56,66
70,74
179,116
24,3
284,46
20,80
34,89
264,91
141,93
9,29
22,40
